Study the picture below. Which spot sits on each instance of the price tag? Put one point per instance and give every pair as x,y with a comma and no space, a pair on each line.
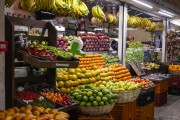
114,52
62,65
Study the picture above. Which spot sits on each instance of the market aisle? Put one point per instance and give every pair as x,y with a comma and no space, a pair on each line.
170,111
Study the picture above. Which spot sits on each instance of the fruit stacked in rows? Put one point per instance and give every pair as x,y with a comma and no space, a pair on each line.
120,86
91,60
32,113
93,97
174,67
71,79
145,83
110,59
120,72
30,97
95,42
56,96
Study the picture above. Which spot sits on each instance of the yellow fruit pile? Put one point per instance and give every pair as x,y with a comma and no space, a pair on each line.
91,60
174,67
74,78
32,113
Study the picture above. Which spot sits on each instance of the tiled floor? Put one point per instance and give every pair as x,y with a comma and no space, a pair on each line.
170,111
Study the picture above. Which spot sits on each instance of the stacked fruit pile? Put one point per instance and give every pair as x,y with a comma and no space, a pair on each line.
55,96
62,43
30,97
144,23
63,7
174,67
71,79
120,72
32,113
135,52
46,52
110,59
95,42
93,97
152,65
145,83
91,60
120,86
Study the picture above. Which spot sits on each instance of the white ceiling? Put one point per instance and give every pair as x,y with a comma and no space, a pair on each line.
154,10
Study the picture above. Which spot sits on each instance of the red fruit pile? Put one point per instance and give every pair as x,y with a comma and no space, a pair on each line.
95,42
57,97
145,83
27,95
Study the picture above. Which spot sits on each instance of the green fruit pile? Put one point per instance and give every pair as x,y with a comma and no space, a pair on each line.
110,59
89,97
120,86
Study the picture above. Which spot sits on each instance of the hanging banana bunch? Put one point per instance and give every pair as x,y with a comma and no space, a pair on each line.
29,5
9,3
98,13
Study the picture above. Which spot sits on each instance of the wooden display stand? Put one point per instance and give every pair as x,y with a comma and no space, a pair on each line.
145,112
101,117
126,111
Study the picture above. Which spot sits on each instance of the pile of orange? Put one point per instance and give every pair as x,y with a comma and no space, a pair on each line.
91,60
174,67
120,72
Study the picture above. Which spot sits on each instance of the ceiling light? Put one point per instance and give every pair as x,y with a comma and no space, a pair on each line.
175,22
163,13
142,3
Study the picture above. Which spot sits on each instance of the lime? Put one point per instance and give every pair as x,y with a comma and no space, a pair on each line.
89,93
100,94
94,103
79,97
101,103
91,98
75,94
115,96
105,92
98,99
111,101
95,91
82,103
85,98
84,93
88,104
108,96
104,99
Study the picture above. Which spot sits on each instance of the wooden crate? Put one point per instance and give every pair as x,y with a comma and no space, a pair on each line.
161,86
126,111
101,117
161,99
145,112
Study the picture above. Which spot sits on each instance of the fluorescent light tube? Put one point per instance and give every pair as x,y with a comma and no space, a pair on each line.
175,22
163,13
142,3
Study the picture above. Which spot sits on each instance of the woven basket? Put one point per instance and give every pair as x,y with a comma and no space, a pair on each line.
172,72
128,96
97,110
